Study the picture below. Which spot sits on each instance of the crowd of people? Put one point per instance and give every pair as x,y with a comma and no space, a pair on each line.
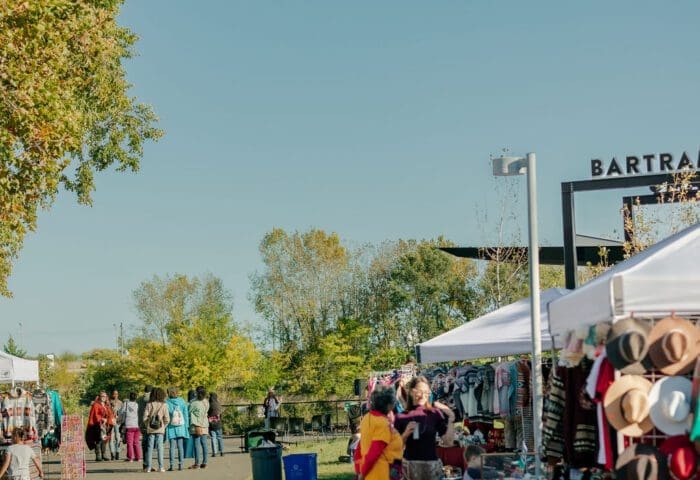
398,435
144,424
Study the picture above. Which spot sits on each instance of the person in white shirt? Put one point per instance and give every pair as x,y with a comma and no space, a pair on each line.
17,458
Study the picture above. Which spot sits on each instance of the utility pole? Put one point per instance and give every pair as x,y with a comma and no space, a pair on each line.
121,338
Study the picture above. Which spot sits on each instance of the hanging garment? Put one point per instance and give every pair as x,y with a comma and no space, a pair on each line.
579,418
554,405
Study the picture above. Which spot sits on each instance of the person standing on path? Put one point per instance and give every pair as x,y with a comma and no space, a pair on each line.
17,458
143,401
156,418
100,425
199,427
130,413
178,430
115,441
215,427
271,406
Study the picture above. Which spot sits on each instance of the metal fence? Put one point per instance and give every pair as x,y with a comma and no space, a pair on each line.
337,415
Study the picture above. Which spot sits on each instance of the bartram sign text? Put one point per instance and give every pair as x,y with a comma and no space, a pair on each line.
644,164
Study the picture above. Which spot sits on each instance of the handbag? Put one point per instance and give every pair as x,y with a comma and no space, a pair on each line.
396,470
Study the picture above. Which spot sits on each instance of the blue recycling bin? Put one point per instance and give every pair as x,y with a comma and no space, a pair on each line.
300,466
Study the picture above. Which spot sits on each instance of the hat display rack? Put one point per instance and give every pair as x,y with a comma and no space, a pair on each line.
651,402
655,376
660,381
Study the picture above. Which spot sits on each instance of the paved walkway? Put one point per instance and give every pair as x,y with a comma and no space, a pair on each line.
232,466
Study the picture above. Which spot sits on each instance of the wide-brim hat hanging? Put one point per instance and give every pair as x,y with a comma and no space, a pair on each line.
674,345
670,400
681,457
641,462
626,405
628,345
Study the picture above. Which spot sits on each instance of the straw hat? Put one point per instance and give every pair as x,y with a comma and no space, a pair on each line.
627,345
670,400
641,462
674,344
627,404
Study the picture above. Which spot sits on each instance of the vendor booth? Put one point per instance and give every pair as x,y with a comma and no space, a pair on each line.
624,397
505,331
662,279
15,369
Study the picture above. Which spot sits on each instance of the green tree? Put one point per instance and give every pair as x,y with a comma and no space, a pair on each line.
302,288
65,111
430,292
13,348
188,336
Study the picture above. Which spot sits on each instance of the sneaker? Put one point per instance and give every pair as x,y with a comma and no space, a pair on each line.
204,465
170,469
163,470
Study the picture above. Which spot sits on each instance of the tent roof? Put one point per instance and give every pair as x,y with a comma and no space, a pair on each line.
662,279
16,369
505,331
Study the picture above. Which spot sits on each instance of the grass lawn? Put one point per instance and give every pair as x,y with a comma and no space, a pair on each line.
328,451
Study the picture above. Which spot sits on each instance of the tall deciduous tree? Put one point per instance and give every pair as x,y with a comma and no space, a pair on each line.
65,111
430,292
188,336
301,289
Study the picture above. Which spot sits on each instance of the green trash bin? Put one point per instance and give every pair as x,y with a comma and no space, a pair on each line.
266,463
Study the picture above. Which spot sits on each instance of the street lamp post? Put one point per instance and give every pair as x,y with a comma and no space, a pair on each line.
510,166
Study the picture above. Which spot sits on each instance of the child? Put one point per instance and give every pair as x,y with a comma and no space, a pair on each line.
17,458
473,471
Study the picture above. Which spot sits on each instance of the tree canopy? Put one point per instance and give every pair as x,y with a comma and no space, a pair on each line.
65,111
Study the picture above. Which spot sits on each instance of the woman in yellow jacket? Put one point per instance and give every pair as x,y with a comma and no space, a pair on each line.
381,446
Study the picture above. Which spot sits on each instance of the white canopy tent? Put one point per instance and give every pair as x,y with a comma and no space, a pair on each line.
505,331
15,369
664,278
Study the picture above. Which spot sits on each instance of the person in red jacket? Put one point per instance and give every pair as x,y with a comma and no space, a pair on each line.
101,421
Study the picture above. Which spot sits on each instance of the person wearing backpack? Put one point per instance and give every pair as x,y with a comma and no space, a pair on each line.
199,426
178,430
130,413
156,417
216,429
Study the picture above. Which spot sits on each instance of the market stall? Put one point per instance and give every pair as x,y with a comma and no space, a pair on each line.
624,398
505,331
15,369
663,278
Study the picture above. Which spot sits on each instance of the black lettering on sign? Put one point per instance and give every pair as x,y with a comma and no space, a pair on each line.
685,162
665,160
597,167
632,165
649,159
614,167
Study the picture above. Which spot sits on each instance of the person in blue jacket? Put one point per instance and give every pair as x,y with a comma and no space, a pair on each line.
178,430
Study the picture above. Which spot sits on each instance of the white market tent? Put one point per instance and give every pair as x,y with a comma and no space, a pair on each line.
664,278
15,369
505,331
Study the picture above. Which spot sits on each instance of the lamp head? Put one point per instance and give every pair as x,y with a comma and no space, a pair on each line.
508,166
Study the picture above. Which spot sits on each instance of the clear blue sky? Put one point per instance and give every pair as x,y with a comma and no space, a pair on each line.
371,119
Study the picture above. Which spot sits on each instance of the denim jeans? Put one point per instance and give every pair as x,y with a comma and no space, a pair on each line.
200,441
217,442
180,442
115,442
157,439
